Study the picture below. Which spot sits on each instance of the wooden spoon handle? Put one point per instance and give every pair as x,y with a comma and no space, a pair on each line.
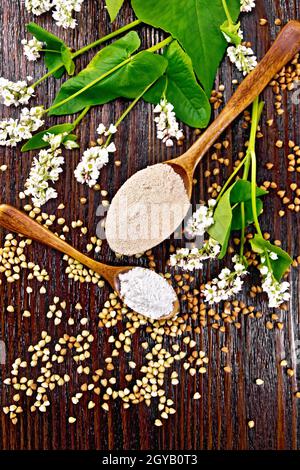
16,221
284,48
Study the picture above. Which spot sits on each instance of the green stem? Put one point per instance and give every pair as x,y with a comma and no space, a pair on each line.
228,15
122,30
50,50
127,111
48,74
88,47
106,74
81,116
231,178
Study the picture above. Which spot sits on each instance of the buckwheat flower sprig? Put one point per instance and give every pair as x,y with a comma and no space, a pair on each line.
15,93
38,7
247,5
227,284
201,220
32,48
278,292
95,158
191,259
13,131
45,170
241,56
166,123
62,11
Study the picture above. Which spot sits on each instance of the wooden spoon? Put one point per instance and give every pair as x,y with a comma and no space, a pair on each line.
284,48
282,51
16,221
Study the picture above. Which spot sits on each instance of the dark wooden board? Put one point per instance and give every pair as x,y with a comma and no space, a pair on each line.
219,419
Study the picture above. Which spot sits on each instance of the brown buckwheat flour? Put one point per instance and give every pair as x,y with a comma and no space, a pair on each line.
146,210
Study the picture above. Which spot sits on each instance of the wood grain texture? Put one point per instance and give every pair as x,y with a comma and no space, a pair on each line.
219,419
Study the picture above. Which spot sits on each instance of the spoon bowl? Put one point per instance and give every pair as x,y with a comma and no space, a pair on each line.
16,221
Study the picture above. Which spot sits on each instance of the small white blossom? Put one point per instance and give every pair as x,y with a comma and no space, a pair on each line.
201,220
46,169
15,93
70,144
101,129
278,292
13,131
247,5
188,260
63,11
243,57
227,284
32,48
93,160
166,123
273,255
38,7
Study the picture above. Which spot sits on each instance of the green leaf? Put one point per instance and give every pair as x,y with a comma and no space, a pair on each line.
196,25
113,7
190,103
37,142
221,229
52,59
237,214
241,192
66,57
128,81
279,266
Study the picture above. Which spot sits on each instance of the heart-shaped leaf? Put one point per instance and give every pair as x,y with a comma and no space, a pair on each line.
129,81
283,261
180,86
221,229
196,25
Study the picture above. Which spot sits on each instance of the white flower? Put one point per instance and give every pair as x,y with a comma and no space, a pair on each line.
93,159
273,255
227,284
63,11
70,144
101,129
32,48
13,131
201,220
188,260
243,57
15,93
247,5
277,292
166,123
45,169
38,7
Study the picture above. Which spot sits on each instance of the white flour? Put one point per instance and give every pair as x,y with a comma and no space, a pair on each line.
147,292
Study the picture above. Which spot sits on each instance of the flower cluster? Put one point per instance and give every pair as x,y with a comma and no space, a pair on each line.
166,123
38,7
201,220
227,284
45,170
94,158
243,57
15,93
247,5
277,292
13,131
62,10
189,260
32,48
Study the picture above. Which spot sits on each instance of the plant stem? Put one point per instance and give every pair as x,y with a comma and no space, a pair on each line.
231,178
158,46
127,111
122,30
228,15
81,116
50,50
88,47
48,74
